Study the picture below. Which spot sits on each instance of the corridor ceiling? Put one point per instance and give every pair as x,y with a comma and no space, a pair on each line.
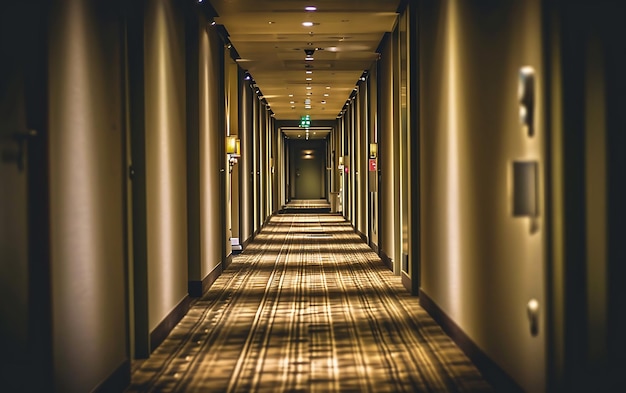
271,41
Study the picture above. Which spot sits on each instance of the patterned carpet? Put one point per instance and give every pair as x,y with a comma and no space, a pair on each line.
307,307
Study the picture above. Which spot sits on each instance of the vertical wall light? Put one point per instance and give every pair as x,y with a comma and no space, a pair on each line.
526,94
233,150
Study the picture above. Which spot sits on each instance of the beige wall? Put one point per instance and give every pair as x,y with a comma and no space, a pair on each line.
245,163
86,198
480,264
373,138
387,153
363,155
212,159
165,127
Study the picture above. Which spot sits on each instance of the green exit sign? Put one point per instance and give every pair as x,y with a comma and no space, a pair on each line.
305,121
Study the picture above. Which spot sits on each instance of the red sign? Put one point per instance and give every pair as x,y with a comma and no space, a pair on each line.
372,165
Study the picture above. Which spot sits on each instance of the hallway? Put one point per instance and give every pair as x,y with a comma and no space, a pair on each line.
463,164
307,307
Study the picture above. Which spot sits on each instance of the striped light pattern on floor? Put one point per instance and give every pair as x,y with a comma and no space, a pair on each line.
308,307
307,205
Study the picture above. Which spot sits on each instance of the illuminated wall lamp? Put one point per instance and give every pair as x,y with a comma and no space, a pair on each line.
373,150
233,151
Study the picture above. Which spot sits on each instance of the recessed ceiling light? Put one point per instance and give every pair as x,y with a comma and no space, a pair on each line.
309,79
326,94
290,95
309,8
271,22
307,24
327,87
323,102
308,87
309,58
309,72
292,102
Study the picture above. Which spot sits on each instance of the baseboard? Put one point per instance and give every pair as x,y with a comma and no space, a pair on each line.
167,324
408,283
361,235
227,262
246,243
374,247
118,381
386,260
497,377
198,288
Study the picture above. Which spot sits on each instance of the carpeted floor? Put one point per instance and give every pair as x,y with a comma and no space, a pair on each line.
307,206
307,307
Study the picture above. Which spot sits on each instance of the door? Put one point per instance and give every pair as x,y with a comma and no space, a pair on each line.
309,170
24,272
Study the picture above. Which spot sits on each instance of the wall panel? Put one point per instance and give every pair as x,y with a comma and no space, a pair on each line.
86,195
480,264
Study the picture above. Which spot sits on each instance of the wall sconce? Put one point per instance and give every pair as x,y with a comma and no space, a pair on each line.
526,94
233,151
373,150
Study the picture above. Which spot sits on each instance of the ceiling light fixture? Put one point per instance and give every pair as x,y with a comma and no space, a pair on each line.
309,72
307,24
309,79
308,8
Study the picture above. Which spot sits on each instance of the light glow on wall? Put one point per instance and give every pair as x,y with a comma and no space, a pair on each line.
164,197
453,224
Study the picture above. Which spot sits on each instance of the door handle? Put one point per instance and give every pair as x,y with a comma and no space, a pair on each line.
19,157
